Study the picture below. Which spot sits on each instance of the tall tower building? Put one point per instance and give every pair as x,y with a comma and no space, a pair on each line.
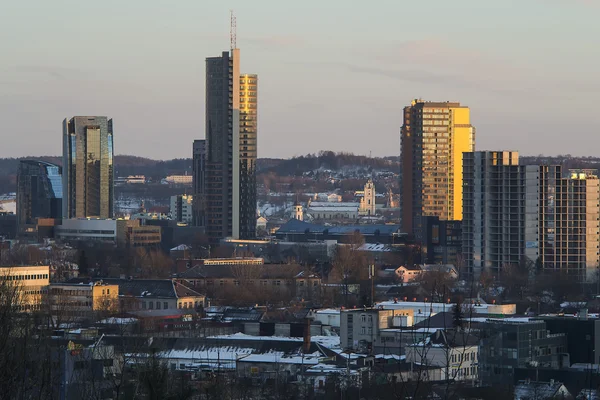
493,225
248,154
39,193
434,136
88,181
231,149
199,177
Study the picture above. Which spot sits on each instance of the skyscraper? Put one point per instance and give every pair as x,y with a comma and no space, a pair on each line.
433,138
88,167
248,154
39,193
198,179
230,184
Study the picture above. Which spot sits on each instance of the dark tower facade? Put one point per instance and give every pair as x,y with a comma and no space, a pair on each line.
39,193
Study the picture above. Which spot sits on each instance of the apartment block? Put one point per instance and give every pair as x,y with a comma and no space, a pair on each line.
434,137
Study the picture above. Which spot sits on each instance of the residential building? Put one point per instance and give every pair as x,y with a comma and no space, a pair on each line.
39,194
79,300
442,242
528,390
455,351
433,139
151,294
182,208
506,346
88,176
248,154
367,201
199,182
231,138
527,214
407,273
31,283
361,329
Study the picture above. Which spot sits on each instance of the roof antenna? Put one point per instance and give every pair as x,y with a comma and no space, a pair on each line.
232,30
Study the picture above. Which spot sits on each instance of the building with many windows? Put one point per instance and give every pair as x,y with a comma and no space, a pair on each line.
182,208
230,160
433,139
248,154
199,177
529,214
30,283
39,194
88,175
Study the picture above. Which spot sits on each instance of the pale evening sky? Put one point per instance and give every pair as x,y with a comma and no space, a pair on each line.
333,74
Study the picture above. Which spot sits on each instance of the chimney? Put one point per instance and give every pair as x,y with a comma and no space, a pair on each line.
306,343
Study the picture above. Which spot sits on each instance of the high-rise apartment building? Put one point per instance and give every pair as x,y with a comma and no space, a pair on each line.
529,214
198,182
248,154
88,176
433,139
39,193
231,118
493,223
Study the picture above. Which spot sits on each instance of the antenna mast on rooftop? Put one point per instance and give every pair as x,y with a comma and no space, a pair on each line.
232,30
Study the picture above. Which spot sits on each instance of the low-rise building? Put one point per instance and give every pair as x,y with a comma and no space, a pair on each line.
153,294
506,346
282,279
456,351
116,231
361,329
185,180
30,283
82,300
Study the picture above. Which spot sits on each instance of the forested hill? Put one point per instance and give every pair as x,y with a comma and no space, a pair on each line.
323,161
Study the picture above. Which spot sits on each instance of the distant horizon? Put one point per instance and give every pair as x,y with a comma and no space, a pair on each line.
300,155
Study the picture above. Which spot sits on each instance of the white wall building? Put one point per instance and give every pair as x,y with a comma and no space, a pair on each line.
83,229
181,208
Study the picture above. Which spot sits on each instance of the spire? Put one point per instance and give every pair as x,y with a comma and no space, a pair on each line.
232,30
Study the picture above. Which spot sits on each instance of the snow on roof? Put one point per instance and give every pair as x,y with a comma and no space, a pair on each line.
330,369
328,311
118,321
327,341
278,357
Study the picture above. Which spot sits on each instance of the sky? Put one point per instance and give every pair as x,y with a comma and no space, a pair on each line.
333,74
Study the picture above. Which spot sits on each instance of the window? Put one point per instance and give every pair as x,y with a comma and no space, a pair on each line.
158,305
151,305
107,291
143,305
165,305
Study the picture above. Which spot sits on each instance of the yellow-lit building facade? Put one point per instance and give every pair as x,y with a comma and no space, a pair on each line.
434,137
80,300
31,284
248,153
